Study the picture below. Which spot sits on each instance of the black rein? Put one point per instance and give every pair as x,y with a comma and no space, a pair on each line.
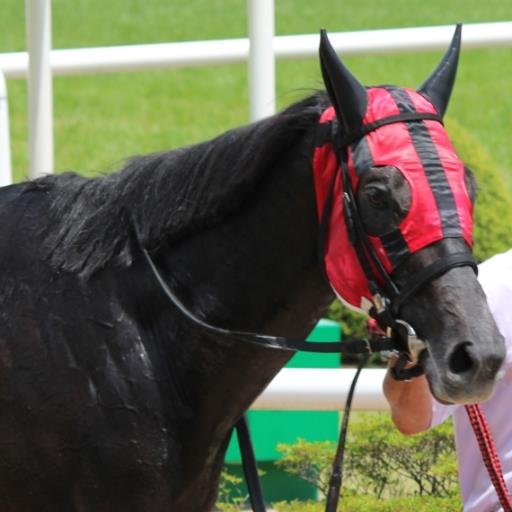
349,346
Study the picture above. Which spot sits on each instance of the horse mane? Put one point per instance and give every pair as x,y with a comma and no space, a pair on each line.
167,195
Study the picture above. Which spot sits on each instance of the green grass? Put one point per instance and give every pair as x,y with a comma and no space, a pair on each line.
101,119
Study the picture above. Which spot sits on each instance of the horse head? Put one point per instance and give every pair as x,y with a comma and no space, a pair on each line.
398,205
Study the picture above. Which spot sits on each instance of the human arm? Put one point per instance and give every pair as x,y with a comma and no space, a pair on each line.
410,402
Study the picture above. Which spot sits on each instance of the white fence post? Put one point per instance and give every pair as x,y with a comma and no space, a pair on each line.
40,101
262,90
5,142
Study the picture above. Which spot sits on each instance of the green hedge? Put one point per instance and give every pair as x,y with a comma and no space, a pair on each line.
493,214
379,460
382,471
493,211
370,503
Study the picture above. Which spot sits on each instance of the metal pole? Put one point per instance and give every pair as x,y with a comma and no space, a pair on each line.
40,109
261,59
5,143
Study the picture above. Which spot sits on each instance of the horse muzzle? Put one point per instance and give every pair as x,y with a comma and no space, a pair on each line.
467,374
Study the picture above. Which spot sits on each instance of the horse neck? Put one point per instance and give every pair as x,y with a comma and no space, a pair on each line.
257,270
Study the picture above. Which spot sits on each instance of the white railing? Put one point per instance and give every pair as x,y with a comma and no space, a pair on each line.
112,59
5,143
261,48
313,389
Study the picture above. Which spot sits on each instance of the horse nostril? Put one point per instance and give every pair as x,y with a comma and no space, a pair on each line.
460,360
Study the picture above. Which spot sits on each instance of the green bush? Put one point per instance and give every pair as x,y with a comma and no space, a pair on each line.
493,211
310,461
352,323
384,471
384,462
230,498
380,462
373,504
493,215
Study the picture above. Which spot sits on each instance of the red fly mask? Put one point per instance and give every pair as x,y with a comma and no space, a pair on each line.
387,126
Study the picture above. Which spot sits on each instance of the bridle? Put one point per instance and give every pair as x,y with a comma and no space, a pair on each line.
349,346
388,298
387,301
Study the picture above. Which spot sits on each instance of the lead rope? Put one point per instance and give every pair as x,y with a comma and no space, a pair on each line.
250,465
489,454
336,480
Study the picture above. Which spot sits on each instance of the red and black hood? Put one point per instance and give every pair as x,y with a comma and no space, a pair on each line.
388,126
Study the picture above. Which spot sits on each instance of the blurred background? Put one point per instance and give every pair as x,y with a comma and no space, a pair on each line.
101,119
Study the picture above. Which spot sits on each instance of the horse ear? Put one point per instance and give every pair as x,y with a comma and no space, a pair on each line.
347,95
438,86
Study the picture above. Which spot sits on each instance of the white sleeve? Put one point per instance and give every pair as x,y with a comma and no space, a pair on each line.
495,276
441,412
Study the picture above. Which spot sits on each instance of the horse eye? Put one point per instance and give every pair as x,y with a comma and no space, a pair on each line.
377,196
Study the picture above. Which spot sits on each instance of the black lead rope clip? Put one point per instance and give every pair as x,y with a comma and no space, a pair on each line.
400,372
405,342
411,348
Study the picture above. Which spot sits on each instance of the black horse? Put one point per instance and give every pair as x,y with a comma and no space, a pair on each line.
112,399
